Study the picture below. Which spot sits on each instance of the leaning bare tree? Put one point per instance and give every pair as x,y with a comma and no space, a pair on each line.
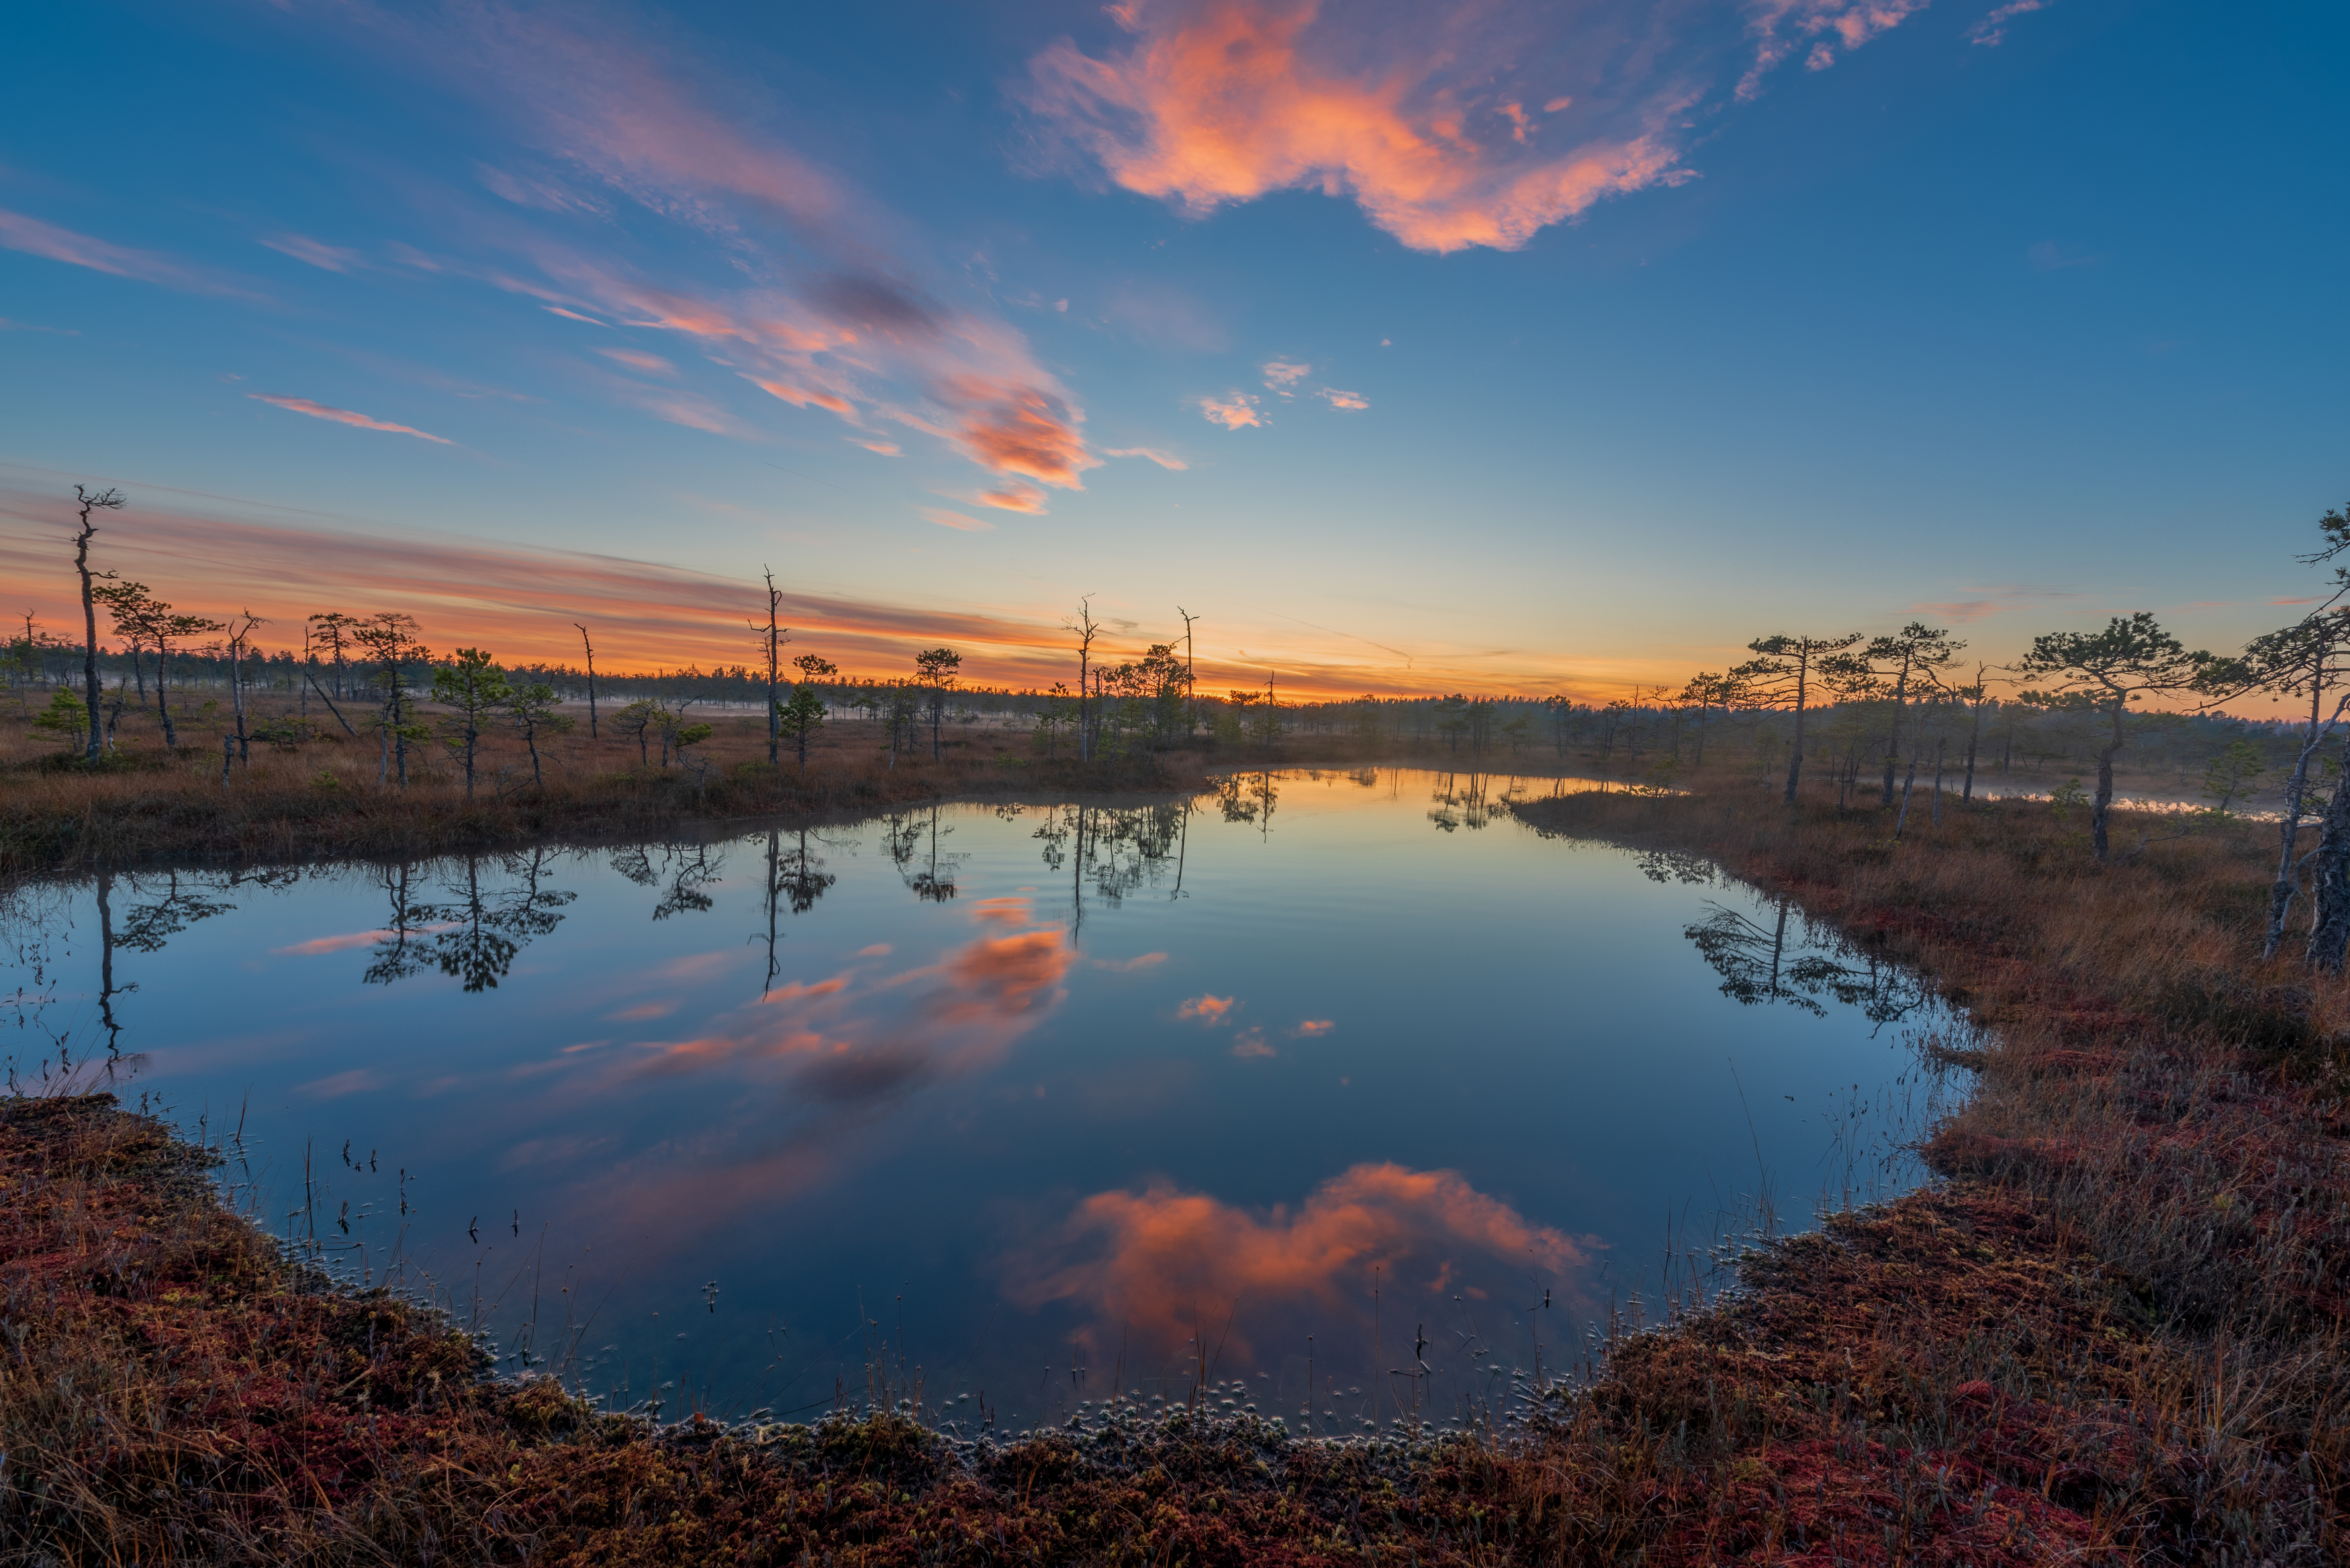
2103,672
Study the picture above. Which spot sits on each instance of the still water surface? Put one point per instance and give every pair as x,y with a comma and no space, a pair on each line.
1024,1103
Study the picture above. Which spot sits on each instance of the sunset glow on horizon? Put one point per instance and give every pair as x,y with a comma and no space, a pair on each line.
1501,349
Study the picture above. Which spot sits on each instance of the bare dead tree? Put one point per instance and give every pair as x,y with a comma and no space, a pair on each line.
109,500
591,678
1087,628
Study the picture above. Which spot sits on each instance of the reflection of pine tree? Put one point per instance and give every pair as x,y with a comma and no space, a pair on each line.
1758,967
474,936
146,927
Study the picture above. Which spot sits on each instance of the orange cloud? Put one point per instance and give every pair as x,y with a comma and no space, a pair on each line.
955,520
1233,412
1251,1043
1150,1258
1339,399
1226,100
801,398
1014,497
1312,1028
346,417
1208,1010
1017,428
1127,966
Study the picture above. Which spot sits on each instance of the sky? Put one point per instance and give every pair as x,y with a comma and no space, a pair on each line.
1410,347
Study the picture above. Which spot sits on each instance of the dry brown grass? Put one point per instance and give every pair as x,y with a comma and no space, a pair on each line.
148,803
2166,1104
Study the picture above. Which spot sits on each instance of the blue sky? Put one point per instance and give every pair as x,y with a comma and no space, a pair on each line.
2009,335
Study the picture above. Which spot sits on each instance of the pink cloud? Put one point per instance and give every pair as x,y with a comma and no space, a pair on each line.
1163,460
1233,412
1312,1028
1281,374
1338,399
1127,966
1227,100
1208,1010
636,359
886,448
572,315
956,520
1991,31
34,237
1781,27
346,417
333,258
1251,1045
358,1080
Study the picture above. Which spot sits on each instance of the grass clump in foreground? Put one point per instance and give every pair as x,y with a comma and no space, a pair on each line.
2113,1333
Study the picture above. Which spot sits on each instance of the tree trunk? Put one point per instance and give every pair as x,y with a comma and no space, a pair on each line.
2329,930
1902,821
89,644
2105,801
1796,761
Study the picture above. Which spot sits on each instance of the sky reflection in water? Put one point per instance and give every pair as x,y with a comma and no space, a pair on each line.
1033,1094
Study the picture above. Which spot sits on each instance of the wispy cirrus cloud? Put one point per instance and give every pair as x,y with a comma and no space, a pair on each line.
1164,459
638,360
828,319
955,520
316,253
346,417
1781,28
19,232
1991,31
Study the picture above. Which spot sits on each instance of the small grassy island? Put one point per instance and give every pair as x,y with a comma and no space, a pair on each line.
2111,1331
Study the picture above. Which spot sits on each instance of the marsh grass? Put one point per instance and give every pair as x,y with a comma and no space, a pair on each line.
326,796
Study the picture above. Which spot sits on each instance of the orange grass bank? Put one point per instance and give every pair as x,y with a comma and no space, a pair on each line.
2112,1334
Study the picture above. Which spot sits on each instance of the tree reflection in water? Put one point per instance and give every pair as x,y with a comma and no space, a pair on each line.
474,936
1758,966
794,877
1115,852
